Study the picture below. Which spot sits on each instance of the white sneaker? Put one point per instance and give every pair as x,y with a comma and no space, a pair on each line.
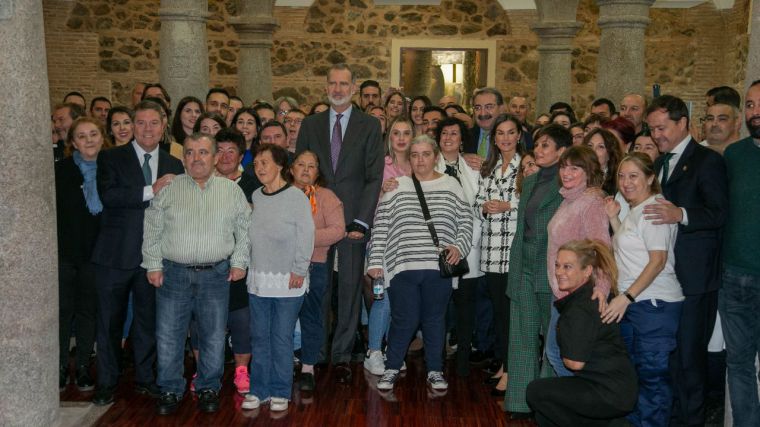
374,362
250,402
436,381
403,366
388,379
278,404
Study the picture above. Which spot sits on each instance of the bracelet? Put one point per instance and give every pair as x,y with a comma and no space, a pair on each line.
629,296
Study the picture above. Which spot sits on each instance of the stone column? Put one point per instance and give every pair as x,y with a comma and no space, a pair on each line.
620,65
753,51
255,24
554,61
184,52
28,266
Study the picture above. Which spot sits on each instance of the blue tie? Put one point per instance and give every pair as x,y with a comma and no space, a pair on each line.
147,173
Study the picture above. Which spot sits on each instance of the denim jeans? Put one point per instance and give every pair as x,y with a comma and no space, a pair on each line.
186,293
649,332
420,298
551,348
379,322
738,302
311,315
272,323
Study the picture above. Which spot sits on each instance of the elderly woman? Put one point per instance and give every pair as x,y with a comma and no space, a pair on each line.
397,164
581,215
330,227
188,111
603,387
120,125
282,242
78,213
403,252
529,291
497,202
452,135
605,145
651,299
247,122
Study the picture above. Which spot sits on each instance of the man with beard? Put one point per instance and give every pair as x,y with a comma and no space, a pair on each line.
721,124
486,105
740,294
693,180
348,144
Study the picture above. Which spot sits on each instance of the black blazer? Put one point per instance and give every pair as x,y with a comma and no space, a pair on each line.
699,184
77,227
472,145
359,174
120,186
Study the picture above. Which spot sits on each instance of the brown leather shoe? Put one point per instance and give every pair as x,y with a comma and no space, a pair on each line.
343,373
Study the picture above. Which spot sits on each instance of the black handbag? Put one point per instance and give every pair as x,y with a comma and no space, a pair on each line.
447,269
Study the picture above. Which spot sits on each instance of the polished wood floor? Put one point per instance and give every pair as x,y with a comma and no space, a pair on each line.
412,403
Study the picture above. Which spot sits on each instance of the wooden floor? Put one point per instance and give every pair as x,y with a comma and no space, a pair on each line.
412,403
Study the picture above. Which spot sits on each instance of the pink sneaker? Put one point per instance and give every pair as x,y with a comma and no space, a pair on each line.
242,380
192,383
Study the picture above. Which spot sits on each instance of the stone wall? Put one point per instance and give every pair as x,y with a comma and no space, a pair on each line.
103,47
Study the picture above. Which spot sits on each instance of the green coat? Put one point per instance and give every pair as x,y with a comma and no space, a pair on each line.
536,260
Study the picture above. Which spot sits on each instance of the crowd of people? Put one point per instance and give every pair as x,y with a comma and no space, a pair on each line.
581,262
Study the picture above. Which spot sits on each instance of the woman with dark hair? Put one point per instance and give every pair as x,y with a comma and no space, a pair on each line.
497,202
319,107
78,208
120,125
209,123
581,215
624,131
542,120
529,291
330,227
452,135
607,150
379,113
649,307
188,111
603,385
416,108
282,242
396,105
563,118
576,129
247,122
527,168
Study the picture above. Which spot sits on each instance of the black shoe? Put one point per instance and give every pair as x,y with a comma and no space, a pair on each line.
306,382
343,373
103,395
84,380
63,377
478,357
168,403
493,366
148,389
208,400
521,416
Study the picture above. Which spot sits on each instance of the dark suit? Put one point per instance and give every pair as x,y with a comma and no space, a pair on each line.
356,181
697,183
117,256
472,145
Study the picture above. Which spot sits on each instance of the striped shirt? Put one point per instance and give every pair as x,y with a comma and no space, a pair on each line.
401,240
188,224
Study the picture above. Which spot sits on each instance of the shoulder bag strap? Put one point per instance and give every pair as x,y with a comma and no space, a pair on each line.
425,211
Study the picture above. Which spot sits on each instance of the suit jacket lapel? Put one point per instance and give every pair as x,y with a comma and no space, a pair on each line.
355,124
163,163
323,144
551,195
134,167
683,161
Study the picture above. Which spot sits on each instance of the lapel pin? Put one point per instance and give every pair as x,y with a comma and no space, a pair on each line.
685,167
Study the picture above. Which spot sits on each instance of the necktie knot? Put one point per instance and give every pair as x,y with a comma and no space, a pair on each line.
666,167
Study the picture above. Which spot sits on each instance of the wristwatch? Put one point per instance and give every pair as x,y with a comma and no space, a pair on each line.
629,296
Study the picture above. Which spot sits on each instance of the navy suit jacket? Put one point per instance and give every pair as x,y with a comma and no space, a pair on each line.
699,184
120,186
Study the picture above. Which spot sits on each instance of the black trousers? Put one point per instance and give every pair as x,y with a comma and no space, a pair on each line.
113,287
464,301
572,402
77,302
497,290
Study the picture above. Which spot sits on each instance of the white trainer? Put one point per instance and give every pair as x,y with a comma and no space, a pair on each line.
374,362
278,404
436,380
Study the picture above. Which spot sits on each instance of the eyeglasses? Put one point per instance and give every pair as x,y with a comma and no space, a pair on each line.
295,121
487,107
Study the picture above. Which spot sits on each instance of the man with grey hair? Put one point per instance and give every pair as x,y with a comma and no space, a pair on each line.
195,243
348,144
486,106
721,126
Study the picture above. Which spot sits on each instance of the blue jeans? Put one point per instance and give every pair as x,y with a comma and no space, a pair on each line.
272,323
738,302
311,315
420,298
379,322
552,348
205,295
649,332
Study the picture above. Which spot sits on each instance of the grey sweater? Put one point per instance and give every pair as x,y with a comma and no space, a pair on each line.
282,240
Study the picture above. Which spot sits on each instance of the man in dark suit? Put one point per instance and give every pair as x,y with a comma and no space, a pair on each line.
128,178
349,146
695,187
